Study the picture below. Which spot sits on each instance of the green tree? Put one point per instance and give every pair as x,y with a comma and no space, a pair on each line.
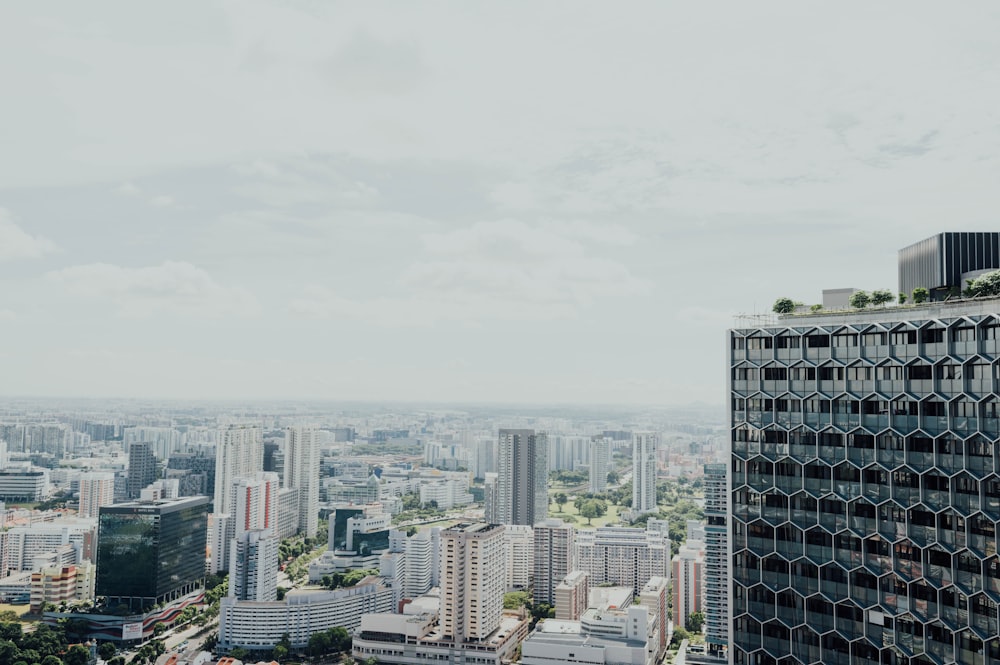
51,660
920,294
8,616
159,628
902,299
561,500
117,660
77,655
8,651
239,653
859,299
371,660
815,308
984,285
279,653
107,650
514,600
881,297
319,644
10,631
592,508
783,306
679,635
695,621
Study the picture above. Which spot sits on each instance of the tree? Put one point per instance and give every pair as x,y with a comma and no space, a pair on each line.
10,631
881,297
51,660
8,616
695,621
281,592
679,635
77,655
279,653
592,508
159,628
783,306
920,294
561,500
984,285
239,653
107,650
902,299
859,299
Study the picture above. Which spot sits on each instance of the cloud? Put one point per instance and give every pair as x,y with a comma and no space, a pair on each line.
367,64
8,315
174,286
303,181
161,201
128,189
15,243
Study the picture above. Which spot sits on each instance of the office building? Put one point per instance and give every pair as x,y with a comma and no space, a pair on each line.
142,468
554,557
239,451
600,464
601,637
150,553
623,556
942,263
519,543
689,576
253,566
472,581
644,445
97,488
23,484
571,596
717,573
522,477
302,473
864,487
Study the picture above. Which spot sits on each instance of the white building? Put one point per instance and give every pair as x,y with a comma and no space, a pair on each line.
554,557
472,580
97,488
259,626
600,464
446,493
24,543
422,561
23,484
623,556
689,580
519,543
239,451
253,501
601,637
644,445
656,596
302,472
253,565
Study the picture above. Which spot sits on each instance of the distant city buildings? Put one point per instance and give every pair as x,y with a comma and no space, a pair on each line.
600,464
97,489
239,451
521,495
301,467
142,468
644,445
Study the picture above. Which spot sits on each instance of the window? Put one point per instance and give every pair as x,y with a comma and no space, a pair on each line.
844,341
918,372
904,337
949,372
817,341
803,373
932,335
757,343
965,334
787,342
859,373
831,373
775,374
873,339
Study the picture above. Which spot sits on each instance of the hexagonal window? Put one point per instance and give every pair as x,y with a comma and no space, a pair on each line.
890,449
939,642
819,545
803,510
775,507
954,607
904,416
817,478
948,453
919,452
760,538
937,566
847,480
760,473
774,443
832,514
774,572
860,448
936,490
816,411
875,483
965,493
951,530
982,534
963,412
922,525
774,378
864,652
894,594
980,456
878,555
983,615
805,645
802,444
948,377
836,650
832,447
748,631
978,377
864,587
746,568
861,517
745,439
789,541
892,521
788,476
968,571
846,412
804,577
819,614
776,639
746,504
850,618
906,486
989,417
760,602
991,574
790,608
923,600
907,559
991,496
848,550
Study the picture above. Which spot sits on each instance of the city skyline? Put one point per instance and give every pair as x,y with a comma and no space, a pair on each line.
313,201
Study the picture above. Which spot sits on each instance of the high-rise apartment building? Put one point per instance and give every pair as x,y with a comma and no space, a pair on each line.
571,596
254,503
644,445
689,581
97,488
472,581
239,451
600,464
864,488
253,566
142,467
555,544
151,552
623,556
519,543
302,473
717,573
521,495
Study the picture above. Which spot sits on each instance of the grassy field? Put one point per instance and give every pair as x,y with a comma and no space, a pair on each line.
20,609
570,511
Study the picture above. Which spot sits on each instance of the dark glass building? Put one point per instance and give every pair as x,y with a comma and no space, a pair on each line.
943,262
151,552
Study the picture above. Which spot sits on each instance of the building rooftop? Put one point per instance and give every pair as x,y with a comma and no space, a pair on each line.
948,309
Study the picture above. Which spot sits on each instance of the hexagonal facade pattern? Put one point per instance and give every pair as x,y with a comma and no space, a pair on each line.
865,489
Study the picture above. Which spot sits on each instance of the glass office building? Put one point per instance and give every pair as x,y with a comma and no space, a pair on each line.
151,552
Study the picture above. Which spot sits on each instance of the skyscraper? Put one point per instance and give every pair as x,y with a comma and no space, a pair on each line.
253,499
472,580
600,464
521,495
302,473
864,486
141,468
554,543
644,446
239,451
151,552
97,488
716,559
253,566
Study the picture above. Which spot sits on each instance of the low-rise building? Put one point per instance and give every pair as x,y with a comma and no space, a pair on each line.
601,637
60,584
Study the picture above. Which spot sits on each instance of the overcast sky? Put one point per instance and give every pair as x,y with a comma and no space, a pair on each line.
468,201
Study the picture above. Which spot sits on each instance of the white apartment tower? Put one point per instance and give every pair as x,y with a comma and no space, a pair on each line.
253,566
522,477
302,473
554,544
519,543
644,446
97,488
600,464
253,500
472,581
623,556
689,577
239,451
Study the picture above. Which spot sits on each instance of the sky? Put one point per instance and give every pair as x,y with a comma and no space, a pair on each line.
523,202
